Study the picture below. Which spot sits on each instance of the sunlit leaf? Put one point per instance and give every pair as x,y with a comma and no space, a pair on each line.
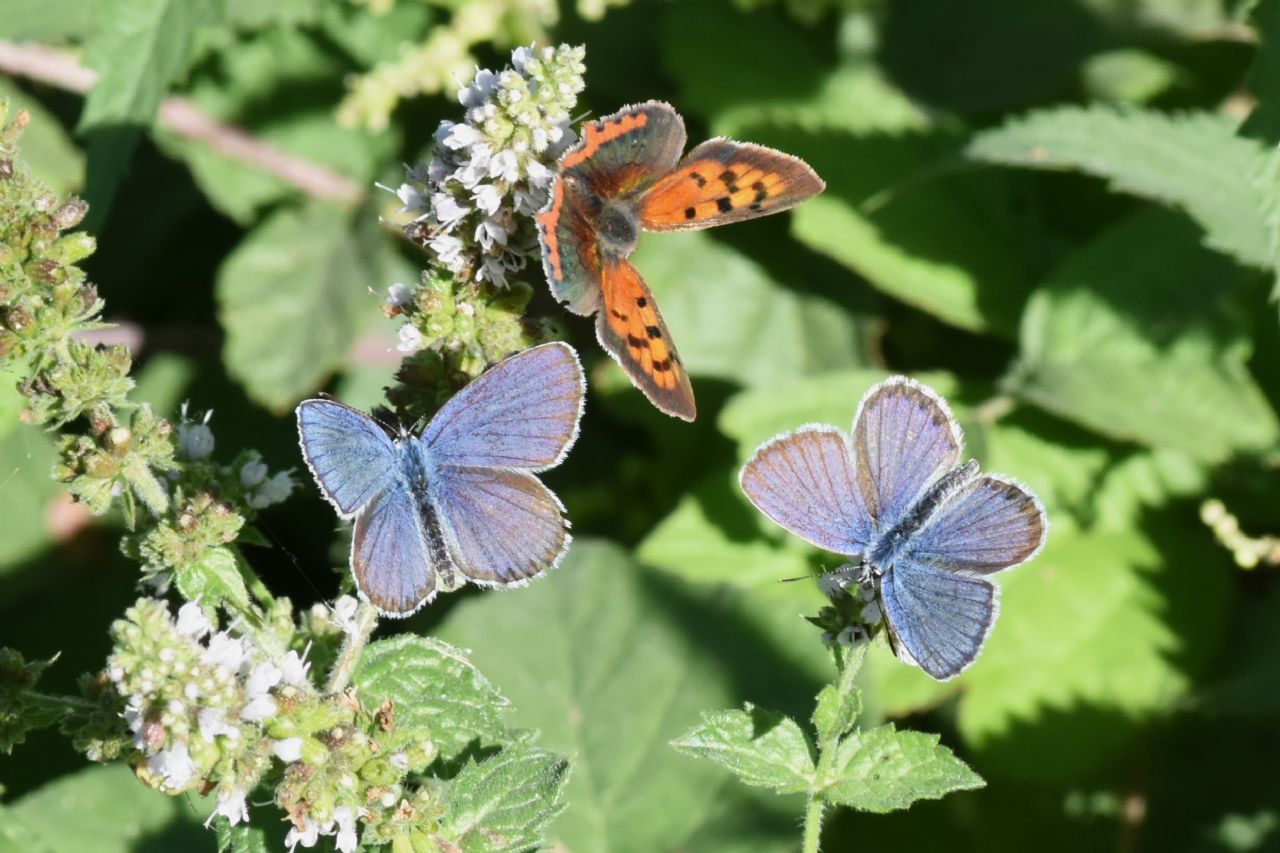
760,748
883,769
506,801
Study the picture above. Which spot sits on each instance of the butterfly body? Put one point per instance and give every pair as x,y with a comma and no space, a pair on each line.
626,176
925,530
460,501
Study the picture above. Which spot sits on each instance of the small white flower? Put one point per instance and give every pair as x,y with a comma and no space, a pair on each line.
259,709
192,622
195,441
344,613
521,57
448,210
264,676
399,760
231,805
252,473
487,198
831,585
409,339
850,635
289,749
294,669
173,765
345,818
504,166
225,652
398,295
307,836
213,722
461,136
273,491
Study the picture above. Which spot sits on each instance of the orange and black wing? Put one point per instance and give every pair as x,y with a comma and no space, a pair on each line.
632,331
724,181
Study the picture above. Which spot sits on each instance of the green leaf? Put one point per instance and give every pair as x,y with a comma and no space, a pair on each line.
589,659
436,690
1146,346
761,748
933,238
27,457
787,84
834,714
106,810
140,49
243,85
214,580
505,802
720,305
1264,77
1103,631
291,297
240,839
1194,162
17,837
1129,75
883,769
47,21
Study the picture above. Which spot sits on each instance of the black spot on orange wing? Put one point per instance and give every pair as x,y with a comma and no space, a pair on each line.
751,181
641,344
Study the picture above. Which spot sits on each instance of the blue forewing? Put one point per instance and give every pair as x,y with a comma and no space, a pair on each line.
461,502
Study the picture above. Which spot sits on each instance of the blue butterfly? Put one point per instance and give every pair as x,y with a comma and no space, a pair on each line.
459,502
925,530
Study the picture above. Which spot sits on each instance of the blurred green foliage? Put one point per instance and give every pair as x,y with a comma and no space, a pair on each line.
1062,215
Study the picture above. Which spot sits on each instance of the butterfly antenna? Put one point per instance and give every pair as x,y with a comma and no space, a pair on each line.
277,543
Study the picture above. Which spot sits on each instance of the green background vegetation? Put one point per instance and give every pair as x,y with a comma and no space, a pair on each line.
1062,215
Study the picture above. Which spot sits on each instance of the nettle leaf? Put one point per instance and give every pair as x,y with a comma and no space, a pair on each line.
85,810
139,49
1103,631
882,770
761,748
1194,162
835,713
609,661
938,240
787,84
720,305
505,802
1146,346
240,839
292,297
214,579
436,691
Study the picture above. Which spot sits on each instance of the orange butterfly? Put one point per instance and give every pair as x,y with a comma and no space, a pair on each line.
623,178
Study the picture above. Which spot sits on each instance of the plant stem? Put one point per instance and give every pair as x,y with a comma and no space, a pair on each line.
340,677
827,750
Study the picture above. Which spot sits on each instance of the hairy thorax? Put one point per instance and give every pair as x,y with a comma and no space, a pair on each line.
618,227
883,551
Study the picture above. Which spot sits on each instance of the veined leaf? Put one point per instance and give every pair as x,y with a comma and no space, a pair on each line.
292,297
883,769
436,690
761,748
103,809
1194,162
1146,346
505,802
214,579
720,305
588,659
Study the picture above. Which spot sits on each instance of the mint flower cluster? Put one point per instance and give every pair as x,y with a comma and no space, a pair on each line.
200,703
492,171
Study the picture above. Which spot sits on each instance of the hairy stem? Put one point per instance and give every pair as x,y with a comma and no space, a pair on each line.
827,750
366,618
